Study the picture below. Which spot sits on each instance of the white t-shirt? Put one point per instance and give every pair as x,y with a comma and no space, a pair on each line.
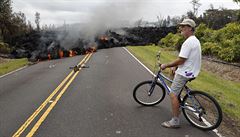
191,50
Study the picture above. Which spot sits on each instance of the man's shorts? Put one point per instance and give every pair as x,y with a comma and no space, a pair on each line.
178,82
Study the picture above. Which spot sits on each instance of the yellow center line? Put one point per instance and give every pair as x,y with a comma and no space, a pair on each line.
43,117
34,115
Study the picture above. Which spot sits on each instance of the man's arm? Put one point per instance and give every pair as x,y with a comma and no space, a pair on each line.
175,63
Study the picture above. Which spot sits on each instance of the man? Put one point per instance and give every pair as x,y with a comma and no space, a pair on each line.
188,63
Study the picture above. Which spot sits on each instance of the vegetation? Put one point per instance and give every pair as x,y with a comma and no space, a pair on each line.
218,18
4,48
226,92
14,25
12,64
223,43
173,41
213,18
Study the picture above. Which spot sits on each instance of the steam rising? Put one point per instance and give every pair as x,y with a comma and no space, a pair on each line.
108,15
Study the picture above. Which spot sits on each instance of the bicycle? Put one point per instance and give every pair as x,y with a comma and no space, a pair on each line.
198,107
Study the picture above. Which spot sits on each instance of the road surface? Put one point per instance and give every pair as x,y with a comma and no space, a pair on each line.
94,102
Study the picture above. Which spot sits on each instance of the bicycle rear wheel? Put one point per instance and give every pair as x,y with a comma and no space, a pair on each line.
202,110
142,95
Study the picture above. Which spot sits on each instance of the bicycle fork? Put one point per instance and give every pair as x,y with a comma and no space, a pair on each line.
153,84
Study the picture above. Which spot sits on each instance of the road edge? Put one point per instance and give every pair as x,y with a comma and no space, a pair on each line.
4,75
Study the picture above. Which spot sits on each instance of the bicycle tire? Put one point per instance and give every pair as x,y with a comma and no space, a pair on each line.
143,88
211,117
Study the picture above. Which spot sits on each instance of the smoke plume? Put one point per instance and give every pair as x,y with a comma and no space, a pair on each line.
107,15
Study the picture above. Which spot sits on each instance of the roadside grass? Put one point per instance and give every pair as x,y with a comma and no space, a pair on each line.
11,65
226,92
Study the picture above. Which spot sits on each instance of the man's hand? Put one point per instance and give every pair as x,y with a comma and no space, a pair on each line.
175,63
163,66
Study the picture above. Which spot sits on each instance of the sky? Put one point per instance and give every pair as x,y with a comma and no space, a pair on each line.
109,11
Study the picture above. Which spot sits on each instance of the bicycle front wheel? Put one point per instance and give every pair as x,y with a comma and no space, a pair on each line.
148,93
202,110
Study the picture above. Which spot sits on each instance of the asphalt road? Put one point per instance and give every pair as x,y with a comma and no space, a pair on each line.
97,103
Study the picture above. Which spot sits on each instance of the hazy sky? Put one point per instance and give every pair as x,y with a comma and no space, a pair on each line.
73,11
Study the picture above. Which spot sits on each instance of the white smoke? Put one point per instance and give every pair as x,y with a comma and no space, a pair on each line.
112,15
107,15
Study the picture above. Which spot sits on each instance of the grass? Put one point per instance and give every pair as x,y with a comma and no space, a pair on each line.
226,92
11,65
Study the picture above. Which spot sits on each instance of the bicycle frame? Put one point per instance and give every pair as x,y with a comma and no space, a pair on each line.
161,77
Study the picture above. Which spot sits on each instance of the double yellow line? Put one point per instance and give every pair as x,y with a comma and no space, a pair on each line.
49,100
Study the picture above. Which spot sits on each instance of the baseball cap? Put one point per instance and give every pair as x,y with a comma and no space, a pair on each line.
189,22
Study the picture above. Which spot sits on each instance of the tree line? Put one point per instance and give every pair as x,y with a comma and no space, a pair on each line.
214,18
13,25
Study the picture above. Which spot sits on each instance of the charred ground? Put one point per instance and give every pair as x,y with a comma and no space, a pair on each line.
42,45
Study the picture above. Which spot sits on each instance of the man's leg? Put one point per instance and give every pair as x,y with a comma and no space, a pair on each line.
176,87
175,105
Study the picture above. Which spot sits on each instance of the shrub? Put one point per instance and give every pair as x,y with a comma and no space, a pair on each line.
236,47
4,48
204,34
172,41
210,48
226,54
228,32
230,50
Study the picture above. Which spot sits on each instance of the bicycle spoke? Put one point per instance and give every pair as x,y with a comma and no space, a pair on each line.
202,111
142,95
194,115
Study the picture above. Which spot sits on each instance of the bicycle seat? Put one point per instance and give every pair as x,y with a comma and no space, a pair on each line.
191,79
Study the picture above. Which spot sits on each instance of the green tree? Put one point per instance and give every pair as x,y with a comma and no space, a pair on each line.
12,25
238,2
19,24
218,18
5,18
